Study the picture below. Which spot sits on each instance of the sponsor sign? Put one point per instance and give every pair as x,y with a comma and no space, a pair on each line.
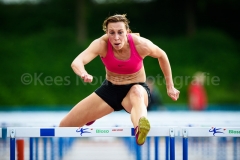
102,131
114,130
231,131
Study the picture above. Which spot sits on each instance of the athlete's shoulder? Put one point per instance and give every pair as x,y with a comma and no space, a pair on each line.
143,45
138,40
104,38
101,41
101,44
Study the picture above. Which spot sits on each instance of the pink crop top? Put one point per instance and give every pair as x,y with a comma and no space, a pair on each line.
129,66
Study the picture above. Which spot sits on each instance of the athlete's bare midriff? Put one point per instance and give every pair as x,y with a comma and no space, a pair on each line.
121,79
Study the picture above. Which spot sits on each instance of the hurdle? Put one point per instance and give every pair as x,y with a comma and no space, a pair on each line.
171,132
0,132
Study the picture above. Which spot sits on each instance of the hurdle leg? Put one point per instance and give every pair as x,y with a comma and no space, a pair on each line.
52,148
156,139
31,148
12,144
4,137
185,145
185,148
167,148
36,148
221,152
235,148
148,147
60,148
172,148
172,144
138,152
44,148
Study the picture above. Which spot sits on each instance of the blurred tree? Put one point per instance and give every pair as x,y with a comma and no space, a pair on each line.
190,17
81,17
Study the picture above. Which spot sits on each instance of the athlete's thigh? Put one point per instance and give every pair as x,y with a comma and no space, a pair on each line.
127,103
90,108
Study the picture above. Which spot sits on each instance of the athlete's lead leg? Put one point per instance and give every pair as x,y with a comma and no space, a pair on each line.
136,103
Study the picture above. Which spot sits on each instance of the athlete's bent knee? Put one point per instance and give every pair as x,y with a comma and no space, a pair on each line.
137,91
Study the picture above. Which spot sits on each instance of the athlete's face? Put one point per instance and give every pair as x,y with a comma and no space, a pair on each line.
117,34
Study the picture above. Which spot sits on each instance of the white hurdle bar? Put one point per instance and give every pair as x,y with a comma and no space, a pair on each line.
184,132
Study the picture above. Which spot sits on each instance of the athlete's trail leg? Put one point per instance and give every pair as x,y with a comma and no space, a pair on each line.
89,109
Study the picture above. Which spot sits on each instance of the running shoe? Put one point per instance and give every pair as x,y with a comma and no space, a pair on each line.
142,130
90,123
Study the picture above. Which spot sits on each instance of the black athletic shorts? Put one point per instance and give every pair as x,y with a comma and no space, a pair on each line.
113,95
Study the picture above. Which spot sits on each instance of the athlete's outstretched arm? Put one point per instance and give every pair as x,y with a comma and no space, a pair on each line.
164,63
84,58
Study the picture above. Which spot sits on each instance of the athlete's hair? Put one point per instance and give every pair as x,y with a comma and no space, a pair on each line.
116,18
